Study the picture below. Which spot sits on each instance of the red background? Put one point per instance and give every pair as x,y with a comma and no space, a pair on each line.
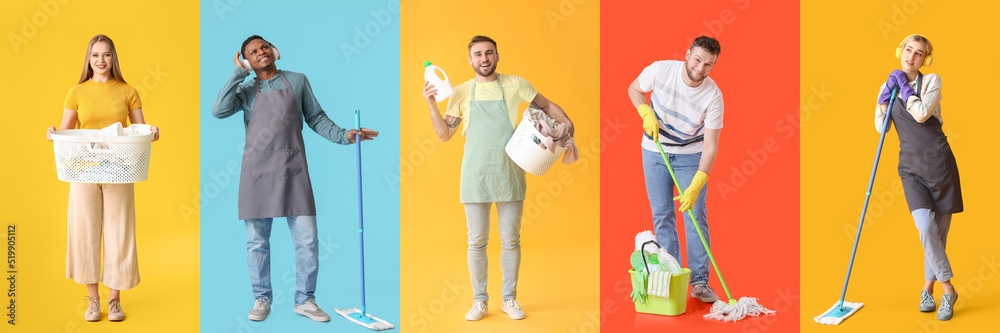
753,195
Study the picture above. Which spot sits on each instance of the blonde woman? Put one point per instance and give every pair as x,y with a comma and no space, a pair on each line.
101,98
927,166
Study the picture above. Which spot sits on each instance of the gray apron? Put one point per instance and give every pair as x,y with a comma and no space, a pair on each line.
488,174
927,166
274,178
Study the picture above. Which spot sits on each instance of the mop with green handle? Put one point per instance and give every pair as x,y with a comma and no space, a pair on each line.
355,315
841,310
724,311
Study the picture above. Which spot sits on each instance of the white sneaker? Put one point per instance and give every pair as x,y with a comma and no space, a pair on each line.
261,309
311,310
93,309
477,311
513,309
115,312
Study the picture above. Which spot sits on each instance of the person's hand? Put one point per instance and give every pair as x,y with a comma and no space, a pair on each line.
429,92
905,91
691,193
156,133
239,64
649,122
49,132
366,134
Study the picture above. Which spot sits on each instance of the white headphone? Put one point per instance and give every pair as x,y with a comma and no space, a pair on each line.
246,63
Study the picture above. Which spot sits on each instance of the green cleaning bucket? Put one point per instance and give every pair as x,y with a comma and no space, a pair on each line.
674,305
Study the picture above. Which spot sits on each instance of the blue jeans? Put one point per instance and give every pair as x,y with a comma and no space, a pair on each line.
660,190
478,221
303,230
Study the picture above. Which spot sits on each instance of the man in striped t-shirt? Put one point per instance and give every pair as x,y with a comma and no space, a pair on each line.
685,117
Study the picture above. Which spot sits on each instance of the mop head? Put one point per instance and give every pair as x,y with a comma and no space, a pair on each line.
643,237
364,319
747,306
836,314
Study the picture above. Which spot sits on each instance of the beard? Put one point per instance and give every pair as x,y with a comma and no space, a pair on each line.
690,74
486,72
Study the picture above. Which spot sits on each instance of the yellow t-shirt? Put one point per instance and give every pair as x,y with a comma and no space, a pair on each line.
516,90
99,104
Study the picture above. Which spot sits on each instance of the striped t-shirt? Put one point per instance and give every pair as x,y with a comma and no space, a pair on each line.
684,112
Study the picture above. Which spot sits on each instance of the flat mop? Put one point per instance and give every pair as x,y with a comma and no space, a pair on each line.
733,310
359,316
840,311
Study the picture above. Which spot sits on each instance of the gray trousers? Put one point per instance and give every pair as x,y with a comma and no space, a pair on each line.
478,220
933,230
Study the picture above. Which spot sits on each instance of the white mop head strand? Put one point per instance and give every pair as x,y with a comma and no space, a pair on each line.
826,319
746,306
364,319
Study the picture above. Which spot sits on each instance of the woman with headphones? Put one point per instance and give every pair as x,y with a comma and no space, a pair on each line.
927,166
101,98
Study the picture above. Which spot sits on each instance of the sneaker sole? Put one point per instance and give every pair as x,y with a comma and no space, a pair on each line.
513,316
706,300
931,309
316,318
473,318
255,318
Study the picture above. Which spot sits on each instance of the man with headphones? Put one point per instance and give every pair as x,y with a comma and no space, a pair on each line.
685,118
274,176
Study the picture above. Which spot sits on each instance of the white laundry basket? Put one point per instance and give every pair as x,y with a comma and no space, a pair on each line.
87,156
524,150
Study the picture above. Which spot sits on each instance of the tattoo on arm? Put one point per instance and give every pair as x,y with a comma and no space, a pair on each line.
454,122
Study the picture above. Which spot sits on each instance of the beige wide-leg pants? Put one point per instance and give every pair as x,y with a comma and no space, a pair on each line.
96,209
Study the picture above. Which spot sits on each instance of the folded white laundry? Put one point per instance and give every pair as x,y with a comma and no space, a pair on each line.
138,129
659,284
114,129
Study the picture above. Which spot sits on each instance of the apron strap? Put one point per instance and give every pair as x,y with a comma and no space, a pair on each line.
502,98
920,81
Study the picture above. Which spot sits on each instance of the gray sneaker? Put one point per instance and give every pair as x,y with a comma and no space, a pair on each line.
926,301
704,293
947,302
513,309
477,311
311,310
261,309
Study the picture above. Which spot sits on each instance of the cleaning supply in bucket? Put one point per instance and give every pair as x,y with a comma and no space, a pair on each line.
657,291
443,86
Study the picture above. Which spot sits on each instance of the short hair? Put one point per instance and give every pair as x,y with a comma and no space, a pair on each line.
481,38
709,44
919,38
247,41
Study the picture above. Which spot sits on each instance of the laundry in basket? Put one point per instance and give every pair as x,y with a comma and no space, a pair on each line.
525,146
99,156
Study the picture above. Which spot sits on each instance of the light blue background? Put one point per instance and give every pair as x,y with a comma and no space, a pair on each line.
310,35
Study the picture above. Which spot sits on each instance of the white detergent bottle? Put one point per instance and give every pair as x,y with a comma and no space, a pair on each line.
444,88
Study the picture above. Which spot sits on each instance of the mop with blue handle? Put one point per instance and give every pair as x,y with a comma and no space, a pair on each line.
360,316
840,311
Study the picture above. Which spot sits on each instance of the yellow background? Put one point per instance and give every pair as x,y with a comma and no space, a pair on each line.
158,51
558,286
845,57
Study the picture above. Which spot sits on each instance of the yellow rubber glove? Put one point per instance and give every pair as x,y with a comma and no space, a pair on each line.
649,122
691,193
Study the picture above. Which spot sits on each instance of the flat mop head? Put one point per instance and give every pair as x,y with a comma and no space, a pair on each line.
733,311
364,319
837,313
